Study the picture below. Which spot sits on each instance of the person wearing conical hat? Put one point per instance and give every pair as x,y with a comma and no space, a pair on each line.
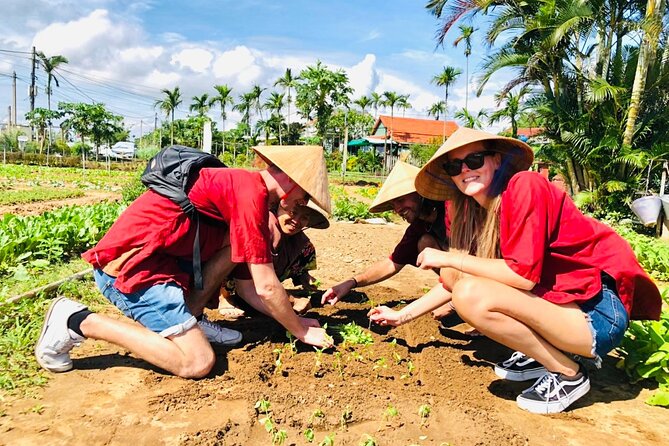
293,257
426,229
533,274
143,265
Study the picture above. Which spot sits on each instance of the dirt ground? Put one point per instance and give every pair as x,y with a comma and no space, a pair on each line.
112,398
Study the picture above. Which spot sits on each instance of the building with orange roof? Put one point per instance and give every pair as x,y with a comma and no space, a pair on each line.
407,131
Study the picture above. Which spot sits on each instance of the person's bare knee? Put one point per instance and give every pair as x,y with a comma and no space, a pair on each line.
198,357
449,276
469,300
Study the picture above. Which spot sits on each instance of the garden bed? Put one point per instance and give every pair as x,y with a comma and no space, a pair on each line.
362,392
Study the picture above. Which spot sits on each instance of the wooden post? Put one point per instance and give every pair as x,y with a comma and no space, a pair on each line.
663,223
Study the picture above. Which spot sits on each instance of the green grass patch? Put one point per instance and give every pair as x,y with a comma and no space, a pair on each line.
85,179
37,194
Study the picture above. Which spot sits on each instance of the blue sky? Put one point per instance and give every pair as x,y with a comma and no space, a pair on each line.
123,52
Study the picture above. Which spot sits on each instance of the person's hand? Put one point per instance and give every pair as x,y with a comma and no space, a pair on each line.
385,316
317,337
337,292
309,322
432,258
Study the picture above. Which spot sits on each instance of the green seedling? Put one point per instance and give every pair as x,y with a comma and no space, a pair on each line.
338,364
391,412
424,413
346,417
379,365
353,334
317,283
277,361
317,415
292,342
367,441
357,356
328,440
279,437
410,370
262,406
268,424
309,434
317,360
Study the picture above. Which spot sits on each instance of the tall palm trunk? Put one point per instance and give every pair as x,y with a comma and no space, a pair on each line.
654,13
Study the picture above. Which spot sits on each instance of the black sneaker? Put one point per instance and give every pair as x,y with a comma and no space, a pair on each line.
519,368
554,392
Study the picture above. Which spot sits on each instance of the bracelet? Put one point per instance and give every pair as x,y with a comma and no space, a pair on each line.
355,282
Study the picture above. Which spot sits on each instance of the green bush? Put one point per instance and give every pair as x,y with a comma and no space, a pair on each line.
350,209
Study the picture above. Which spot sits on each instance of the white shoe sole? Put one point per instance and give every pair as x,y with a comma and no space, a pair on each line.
542,407
525,375
65,367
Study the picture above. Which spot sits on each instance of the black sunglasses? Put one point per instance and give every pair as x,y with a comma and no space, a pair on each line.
473,161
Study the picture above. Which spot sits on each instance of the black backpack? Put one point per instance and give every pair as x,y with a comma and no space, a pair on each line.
168,174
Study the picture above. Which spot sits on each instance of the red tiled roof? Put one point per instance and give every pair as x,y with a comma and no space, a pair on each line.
415,131
528,131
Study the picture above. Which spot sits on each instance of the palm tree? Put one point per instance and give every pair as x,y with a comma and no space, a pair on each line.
363,102
390,100
445,79
256,93
512,110
403,103
651,38
244,106
288,82
466,37
274,104
223,99
200,104
436,110
470,120
50,64
169,104
375,101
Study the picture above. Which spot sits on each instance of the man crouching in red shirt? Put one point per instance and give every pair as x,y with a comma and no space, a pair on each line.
142,266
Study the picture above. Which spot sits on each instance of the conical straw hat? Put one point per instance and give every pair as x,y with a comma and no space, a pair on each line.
400,182
305,165
434,183
318,218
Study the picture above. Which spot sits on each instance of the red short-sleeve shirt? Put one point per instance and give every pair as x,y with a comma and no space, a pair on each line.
165,234
546,239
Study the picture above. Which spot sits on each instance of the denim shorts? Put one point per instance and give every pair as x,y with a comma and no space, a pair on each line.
160,308
607,319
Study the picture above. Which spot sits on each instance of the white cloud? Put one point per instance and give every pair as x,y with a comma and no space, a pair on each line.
239,65
363,76
195,59
161,79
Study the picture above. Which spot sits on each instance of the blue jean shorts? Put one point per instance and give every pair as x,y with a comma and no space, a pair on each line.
160,308
607,319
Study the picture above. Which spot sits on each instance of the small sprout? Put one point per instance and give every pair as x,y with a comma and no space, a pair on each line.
397,357
368,441
353,334
278,362
357,356
410,370
346,417
328,440
292,342
263,406
424,413
38,409
391,412
279,437
309,434
338,364
317,283
317,360
267,423
318,416
380,364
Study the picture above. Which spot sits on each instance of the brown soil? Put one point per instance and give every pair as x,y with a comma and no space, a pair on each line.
113,398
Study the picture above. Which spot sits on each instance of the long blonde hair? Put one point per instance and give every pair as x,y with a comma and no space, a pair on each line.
475,229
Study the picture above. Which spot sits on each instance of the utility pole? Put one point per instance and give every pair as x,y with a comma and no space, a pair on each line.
155,126
141,132
14,121
33,78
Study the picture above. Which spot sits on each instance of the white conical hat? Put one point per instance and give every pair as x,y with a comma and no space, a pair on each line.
400,182
305,165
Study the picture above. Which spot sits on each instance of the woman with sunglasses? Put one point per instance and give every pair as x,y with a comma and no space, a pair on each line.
294,255
532,272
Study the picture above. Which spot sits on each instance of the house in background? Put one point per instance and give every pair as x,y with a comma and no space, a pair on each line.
397,134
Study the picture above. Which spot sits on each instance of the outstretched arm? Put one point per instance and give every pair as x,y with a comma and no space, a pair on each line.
495,269
434,298
274,298
378,272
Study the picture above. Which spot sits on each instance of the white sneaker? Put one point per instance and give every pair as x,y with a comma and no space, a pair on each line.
519,367
56,340
217,334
